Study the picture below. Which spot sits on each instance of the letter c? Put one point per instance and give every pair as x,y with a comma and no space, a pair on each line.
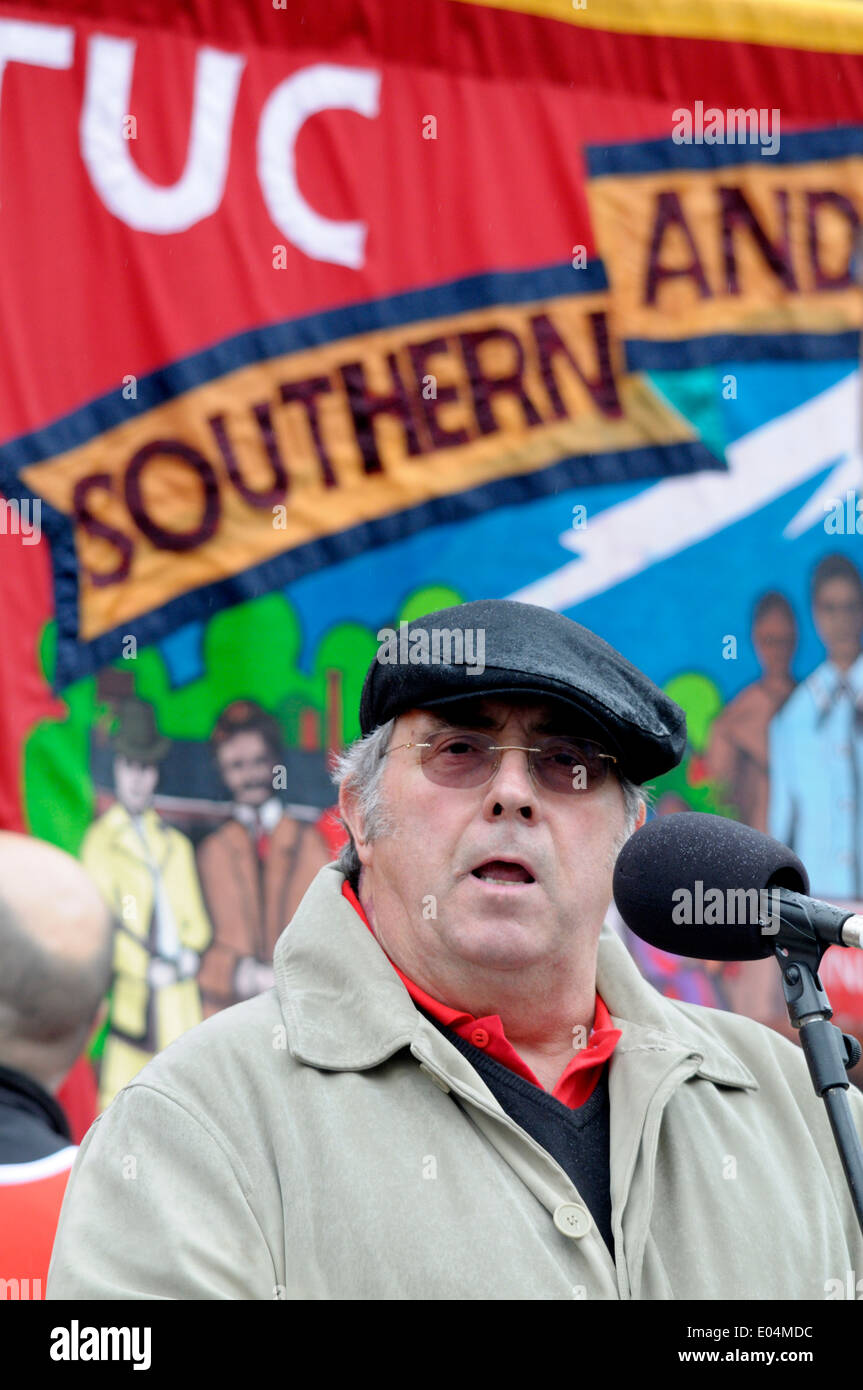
322,87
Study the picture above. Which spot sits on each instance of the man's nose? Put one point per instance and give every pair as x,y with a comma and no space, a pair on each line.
511,792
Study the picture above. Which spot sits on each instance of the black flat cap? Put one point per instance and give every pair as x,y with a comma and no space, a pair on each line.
497,647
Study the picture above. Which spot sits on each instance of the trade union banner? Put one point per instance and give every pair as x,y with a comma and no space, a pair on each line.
317,318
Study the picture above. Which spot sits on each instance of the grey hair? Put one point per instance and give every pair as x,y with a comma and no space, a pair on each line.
634,797
362,765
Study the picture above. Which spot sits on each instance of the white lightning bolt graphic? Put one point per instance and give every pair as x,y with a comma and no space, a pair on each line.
678,512
848,473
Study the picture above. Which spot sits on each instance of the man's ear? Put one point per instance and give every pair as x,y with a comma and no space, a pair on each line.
641,817
350,814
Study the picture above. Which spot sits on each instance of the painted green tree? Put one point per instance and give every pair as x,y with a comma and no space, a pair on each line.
701,701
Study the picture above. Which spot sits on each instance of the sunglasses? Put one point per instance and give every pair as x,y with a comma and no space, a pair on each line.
465,758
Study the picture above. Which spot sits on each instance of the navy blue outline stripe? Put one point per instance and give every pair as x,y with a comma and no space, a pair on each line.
76,659
56,527
649,354
296,335
652,461
653,156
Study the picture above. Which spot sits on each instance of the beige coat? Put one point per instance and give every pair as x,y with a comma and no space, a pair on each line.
325,1141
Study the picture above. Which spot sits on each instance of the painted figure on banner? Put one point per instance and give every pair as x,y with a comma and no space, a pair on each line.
736,754
256,867
146,871
816,743
736,759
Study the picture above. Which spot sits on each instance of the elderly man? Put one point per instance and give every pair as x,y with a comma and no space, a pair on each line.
460,1086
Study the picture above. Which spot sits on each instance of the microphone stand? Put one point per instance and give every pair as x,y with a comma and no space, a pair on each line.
829,1052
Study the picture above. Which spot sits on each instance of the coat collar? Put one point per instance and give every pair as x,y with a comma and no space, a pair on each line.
346,1009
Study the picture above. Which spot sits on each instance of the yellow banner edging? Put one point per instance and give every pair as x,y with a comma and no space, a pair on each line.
825,26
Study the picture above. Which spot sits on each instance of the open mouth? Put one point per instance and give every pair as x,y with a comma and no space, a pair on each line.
504,871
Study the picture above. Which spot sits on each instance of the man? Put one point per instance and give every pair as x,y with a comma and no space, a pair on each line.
736,754
461,1087
55,964
146,871
736,757
257,866
816,743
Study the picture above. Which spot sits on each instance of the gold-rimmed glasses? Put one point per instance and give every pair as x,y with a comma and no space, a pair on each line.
467,758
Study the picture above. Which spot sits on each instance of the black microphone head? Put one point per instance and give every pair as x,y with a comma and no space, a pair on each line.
695,885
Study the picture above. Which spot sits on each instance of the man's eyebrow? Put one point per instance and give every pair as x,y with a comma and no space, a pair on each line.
462,719
437,721
553,724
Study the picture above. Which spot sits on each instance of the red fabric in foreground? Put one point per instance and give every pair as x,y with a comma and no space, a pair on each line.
79,1097
29,1212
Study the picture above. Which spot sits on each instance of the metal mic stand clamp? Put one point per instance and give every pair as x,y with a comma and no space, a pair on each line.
829,1052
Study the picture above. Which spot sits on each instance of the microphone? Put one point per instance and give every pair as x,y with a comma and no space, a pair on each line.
705,886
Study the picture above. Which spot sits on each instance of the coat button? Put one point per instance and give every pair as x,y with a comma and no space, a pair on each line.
479,1037
572,1220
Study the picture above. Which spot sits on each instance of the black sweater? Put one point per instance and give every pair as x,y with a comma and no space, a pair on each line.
577,1139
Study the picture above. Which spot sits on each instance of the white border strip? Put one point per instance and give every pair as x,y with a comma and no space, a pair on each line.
47,1167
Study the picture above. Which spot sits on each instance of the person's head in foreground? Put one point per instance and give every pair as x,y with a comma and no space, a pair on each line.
55,967
55,958
457,1052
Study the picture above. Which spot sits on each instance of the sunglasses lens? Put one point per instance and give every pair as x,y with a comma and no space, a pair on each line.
465,759
459,760
563,766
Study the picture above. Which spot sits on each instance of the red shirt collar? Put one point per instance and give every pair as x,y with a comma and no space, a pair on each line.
579,1077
